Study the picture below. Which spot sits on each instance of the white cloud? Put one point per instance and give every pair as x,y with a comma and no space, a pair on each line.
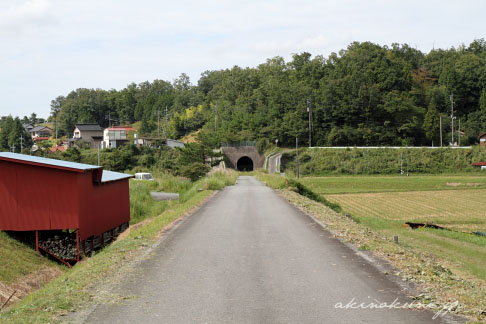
32,13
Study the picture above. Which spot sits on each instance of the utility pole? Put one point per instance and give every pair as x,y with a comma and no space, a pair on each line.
166,121
99,145
401,163
158,122
459,132
21,143
309,110
440,121
451,97
55,125
12,148
297,156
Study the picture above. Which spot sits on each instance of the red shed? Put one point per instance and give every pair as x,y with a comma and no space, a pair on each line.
38,194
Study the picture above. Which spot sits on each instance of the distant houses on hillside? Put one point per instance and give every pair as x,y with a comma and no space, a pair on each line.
112,137
94,136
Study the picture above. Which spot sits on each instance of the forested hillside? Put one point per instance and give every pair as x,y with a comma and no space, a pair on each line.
366,94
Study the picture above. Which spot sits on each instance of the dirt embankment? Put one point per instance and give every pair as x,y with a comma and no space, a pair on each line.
23,286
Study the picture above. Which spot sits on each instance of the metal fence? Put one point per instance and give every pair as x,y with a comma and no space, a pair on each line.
238,144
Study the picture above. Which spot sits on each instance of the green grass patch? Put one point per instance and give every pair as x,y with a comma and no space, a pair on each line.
274,181
365,184
18,260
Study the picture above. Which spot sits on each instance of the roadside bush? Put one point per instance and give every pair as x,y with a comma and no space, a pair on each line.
194,171
304,191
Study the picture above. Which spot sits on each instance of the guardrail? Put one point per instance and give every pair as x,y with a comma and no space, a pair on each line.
390,147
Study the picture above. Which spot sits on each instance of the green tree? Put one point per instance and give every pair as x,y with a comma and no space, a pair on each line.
432,123
14,135
33,118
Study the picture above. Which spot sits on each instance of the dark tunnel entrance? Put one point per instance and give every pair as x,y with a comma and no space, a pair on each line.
244,164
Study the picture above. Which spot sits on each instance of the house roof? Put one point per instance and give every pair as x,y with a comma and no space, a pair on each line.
59,148
127,128
52,163
107,176
479,164
114,176
39,128
89,127
482,135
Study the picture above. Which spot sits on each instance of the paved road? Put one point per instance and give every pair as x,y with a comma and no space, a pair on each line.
247,256
274,163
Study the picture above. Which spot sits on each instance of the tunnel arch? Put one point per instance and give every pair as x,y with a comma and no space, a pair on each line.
244,163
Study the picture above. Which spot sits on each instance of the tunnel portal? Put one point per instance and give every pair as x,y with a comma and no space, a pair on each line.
244,164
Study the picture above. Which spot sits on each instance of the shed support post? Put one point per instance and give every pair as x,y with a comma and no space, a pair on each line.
92,244
102,239
37,241
77,245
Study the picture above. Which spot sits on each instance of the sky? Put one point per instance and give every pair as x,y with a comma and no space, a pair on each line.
51,47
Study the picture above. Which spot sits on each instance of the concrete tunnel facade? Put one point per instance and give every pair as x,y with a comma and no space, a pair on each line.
243,158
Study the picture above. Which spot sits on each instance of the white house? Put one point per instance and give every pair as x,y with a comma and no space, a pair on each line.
116,136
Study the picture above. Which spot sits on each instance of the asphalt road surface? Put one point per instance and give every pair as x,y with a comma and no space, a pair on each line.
274,163
247,256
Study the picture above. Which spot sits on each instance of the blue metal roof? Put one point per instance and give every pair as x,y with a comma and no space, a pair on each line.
48,162
107,176
114,176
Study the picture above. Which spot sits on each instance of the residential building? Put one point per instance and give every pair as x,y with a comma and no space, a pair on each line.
116,136
482,140
28,127
88,133
40,132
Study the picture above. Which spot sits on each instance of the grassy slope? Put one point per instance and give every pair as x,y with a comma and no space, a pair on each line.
18,260
383,161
